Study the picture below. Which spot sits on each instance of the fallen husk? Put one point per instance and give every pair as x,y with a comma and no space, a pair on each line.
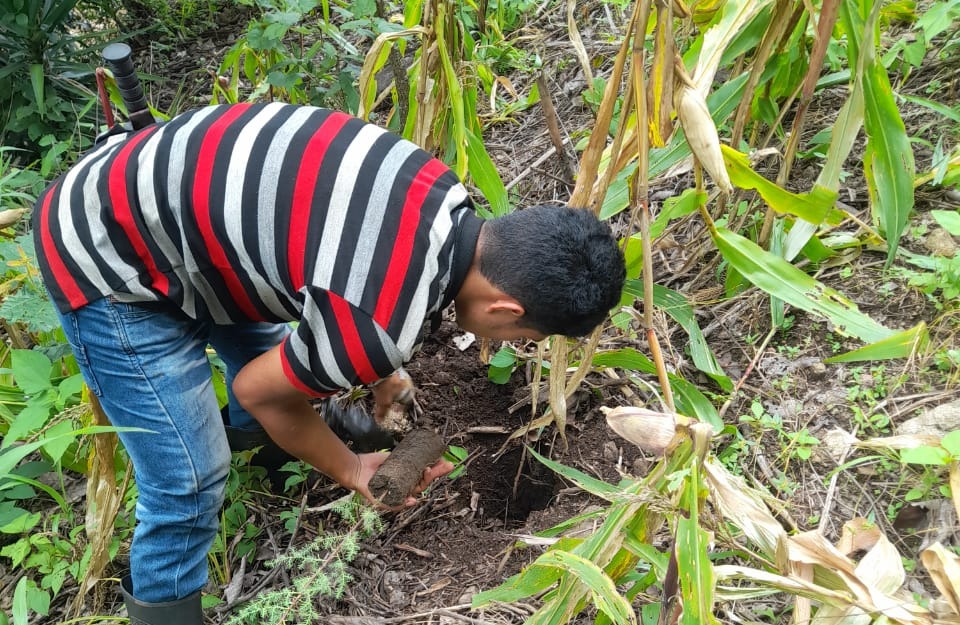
649,430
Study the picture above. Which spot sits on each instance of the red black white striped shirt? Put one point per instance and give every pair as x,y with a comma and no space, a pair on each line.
267,212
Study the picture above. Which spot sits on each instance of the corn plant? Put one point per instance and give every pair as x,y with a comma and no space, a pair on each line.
678,72
693,498
688,48
437,101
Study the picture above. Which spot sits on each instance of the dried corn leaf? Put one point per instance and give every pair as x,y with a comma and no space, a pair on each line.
736,15
903,441
590,161
834,570
660,93
796,586
103,501
858,535
743,506
944,569
558,384
374,62
577,42
802,606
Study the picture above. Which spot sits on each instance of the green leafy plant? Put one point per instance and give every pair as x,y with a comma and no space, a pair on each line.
945,455
939,274
45,109
24,300
300,51
794,444
502,365
458,456
236,537
55,552
18,187
320,569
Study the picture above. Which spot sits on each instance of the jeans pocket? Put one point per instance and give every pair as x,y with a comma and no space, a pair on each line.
80,353
128,310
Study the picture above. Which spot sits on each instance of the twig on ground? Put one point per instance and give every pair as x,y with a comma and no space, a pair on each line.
540,161
553,127
266,579
832,488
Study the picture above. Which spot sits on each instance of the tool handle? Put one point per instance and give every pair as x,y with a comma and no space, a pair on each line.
117,56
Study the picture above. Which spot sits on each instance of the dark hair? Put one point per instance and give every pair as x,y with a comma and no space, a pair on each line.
562,264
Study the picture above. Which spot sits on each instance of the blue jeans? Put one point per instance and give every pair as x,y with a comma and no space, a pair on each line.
149,369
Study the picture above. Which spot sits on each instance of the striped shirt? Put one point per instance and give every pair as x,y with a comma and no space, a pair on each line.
267,212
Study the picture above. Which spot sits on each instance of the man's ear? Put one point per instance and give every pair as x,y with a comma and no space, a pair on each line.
508,305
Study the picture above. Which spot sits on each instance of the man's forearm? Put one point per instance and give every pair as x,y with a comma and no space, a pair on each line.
298,429
287,416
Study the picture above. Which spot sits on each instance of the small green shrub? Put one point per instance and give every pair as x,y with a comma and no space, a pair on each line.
44,105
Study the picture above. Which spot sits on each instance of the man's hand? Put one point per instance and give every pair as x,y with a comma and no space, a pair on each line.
397,388
367,465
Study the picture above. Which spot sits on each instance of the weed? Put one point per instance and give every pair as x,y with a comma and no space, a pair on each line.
502,365
933,459
320,568
458,456
869,387
237,536
798,444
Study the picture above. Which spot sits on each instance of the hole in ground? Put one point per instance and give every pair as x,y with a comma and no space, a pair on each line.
535,489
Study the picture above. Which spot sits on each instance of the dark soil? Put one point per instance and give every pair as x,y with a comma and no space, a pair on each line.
462,538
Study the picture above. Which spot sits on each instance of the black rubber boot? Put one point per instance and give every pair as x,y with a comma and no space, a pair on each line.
270,456
186,611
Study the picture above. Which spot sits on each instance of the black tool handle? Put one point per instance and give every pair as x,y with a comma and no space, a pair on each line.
117,57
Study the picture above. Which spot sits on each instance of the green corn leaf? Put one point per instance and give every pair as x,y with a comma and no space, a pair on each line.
951,113
10,456
888,162
570,523
690,400
813,207
485,176
604,592
673,208
677,306
530,581
694,568
455,93
779,278
19,479
899,345
696,573
590,484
